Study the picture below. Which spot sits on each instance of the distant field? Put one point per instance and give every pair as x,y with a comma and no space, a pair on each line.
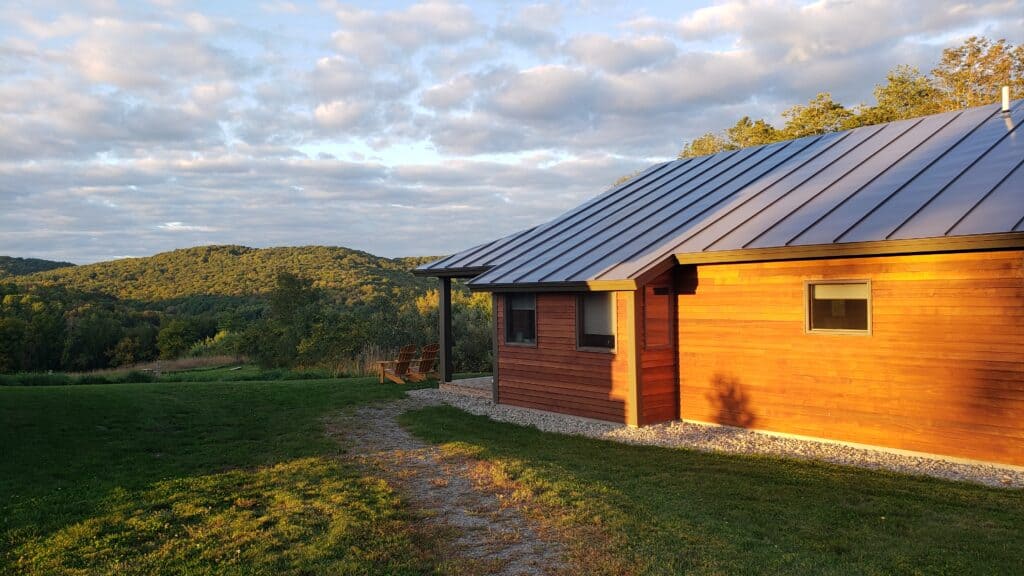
196,478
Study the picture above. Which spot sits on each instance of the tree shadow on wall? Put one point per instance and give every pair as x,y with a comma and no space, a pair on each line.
731,403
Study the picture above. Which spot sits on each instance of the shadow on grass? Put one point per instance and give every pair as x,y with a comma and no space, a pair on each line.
676,511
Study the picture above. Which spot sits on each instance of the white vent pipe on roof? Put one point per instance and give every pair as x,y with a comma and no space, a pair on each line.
1006,98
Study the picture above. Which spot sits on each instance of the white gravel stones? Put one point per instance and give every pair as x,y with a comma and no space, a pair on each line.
731,440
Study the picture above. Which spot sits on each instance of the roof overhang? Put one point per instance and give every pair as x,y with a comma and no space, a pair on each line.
471,272
1003,241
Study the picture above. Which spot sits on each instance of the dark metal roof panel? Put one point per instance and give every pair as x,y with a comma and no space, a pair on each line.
682,215
871,212
1001,210
951,174
770,202
499,251
600,244
481,256
967,170
571,232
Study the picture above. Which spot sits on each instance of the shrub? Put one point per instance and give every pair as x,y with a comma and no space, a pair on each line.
138,376
92,379
34,379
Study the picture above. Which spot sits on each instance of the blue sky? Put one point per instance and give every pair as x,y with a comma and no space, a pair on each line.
400,128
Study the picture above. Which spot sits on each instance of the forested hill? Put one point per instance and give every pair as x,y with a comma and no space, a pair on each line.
239,271
311,306
11,266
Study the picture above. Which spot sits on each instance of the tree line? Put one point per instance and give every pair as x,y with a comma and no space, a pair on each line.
968,75
311,307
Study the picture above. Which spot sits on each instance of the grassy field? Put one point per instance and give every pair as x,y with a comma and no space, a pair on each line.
193,478
238,478
664,511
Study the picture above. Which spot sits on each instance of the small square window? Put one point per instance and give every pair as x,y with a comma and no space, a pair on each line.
839,306
520,319
596,314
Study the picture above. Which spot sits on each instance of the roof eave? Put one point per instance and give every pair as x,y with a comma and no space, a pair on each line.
1000,241
468,272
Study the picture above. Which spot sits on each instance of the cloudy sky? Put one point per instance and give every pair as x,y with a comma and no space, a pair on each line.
129,128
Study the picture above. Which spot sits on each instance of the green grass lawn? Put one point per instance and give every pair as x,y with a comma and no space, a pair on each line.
663,511
194,478
238,478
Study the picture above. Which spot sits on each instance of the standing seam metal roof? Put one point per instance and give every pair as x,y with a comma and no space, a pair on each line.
952,174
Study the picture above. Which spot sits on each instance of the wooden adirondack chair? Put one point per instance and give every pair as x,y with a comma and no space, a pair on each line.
397,370
426,366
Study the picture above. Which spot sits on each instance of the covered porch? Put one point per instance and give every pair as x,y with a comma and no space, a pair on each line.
480,386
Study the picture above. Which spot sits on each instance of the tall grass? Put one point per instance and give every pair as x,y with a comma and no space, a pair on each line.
210,369
60,379
364,363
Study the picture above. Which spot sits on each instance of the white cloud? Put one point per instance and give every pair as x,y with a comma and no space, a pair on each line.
182,227
141,127
339,114
617,56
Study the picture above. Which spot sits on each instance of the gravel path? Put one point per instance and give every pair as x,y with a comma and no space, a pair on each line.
727,439
490,535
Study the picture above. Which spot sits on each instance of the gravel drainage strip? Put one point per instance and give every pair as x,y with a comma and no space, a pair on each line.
712,438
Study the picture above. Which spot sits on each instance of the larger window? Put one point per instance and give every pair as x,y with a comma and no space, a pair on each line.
596,320
839,306
520,319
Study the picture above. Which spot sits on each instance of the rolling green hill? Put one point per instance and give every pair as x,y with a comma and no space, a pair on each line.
239,271
12,266
311,306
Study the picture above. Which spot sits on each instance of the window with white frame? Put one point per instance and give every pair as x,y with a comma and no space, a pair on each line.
596,320
839,306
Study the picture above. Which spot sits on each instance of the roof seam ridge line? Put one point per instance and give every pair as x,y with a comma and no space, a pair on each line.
472,252
599,218
1017,225
953,180
757,237
511,247
985,197
711,166
840,137
747,154
927,167
843,201
723,199
493,246
532,241
781,146
811,176
873,178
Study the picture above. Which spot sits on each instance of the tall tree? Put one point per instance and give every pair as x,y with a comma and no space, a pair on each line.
709,143
747,132
906,94
973,73
820,115
967,75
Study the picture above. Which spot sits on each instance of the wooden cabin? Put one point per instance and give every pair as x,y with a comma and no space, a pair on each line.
864,286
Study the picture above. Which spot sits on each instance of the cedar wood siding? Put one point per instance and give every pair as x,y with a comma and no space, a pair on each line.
554,375
659,396
942,371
